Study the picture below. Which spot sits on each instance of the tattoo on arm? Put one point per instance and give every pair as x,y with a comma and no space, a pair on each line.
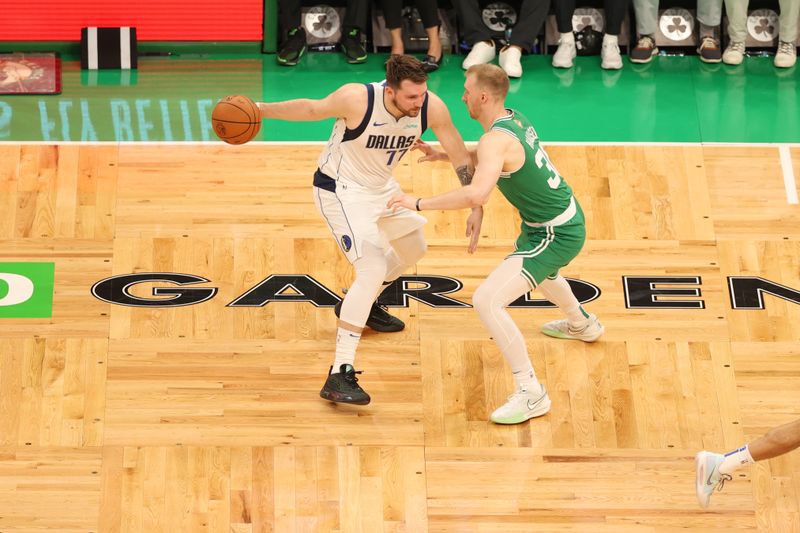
465,173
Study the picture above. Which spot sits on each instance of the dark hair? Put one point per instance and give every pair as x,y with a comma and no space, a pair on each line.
402,67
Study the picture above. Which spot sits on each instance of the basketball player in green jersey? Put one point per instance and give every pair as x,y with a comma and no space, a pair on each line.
552,233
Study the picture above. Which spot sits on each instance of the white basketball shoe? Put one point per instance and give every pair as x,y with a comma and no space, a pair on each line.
561,329
521,406
708,477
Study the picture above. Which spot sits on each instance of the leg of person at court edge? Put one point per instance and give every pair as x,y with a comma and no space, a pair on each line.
293,36
737,31
709,15
646,24
429,13
786,55
392,15
531,18
713,470
353,27
609,53
474,32
566,51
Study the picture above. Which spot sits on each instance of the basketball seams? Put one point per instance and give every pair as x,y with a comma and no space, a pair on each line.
221,119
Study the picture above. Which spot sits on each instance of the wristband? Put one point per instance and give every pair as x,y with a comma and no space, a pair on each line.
418,199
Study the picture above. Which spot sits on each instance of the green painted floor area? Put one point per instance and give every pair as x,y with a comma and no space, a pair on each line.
673,99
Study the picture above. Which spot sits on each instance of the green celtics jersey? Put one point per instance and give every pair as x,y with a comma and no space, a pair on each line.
536,189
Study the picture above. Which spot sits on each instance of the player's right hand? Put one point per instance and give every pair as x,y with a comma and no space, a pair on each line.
430,153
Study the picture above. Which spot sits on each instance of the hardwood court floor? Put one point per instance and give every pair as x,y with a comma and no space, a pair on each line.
206,417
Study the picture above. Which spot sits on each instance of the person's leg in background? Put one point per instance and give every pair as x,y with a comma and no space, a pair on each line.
786,55
566,52
356,18
615,14
392,11
646,25
475,33
737,31
529,24
429,13
293,36
709,15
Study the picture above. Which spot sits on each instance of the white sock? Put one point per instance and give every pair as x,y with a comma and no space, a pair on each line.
609,39
346,344
560,293
567,38
526,379
735,459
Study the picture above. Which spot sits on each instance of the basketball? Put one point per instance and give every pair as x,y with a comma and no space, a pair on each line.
236,119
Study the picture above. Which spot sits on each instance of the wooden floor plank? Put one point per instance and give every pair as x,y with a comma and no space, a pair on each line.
206,417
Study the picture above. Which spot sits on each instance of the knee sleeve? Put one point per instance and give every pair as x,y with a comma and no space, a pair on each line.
405,253
370,273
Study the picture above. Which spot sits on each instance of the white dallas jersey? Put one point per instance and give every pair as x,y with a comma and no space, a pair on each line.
367,154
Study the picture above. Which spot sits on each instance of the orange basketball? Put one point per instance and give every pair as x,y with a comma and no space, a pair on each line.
236,119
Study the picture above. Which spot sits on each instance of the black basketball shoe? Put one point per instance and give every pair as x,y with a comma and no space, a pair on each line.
379,319
343,387
352,47
293,47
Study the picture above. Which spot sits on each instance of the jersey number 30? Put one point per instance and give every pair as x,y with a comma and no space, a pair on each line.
543,161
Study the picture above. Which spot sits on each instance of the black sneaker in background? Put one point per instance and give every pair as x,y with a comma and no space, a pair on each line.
379,319
293,47
343,387
709,50
644,50
352,46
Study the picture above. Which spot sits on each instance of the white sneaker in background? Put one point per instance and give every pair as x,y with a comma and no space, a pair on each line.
481,52
611,60
509,61
734,53
565,54
786,55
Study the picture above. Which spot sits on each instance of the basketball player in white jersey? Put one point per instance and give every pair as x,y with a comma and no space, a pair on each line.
376,126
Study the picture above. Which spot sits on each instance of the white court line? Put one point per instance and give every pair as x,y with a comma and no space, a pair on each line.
788,174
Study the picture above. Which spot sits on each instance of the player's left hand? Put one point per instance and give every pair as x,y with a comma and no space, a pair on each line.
474,228
402,200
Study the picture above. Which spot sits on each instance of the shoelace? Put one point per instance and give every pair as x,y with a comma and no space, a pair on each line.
785,47
722,479
350,377
737,46
708,42
516,394
646,42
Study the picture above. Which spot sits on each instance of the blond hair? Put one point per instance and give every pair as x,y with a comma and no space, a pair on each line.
491,78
